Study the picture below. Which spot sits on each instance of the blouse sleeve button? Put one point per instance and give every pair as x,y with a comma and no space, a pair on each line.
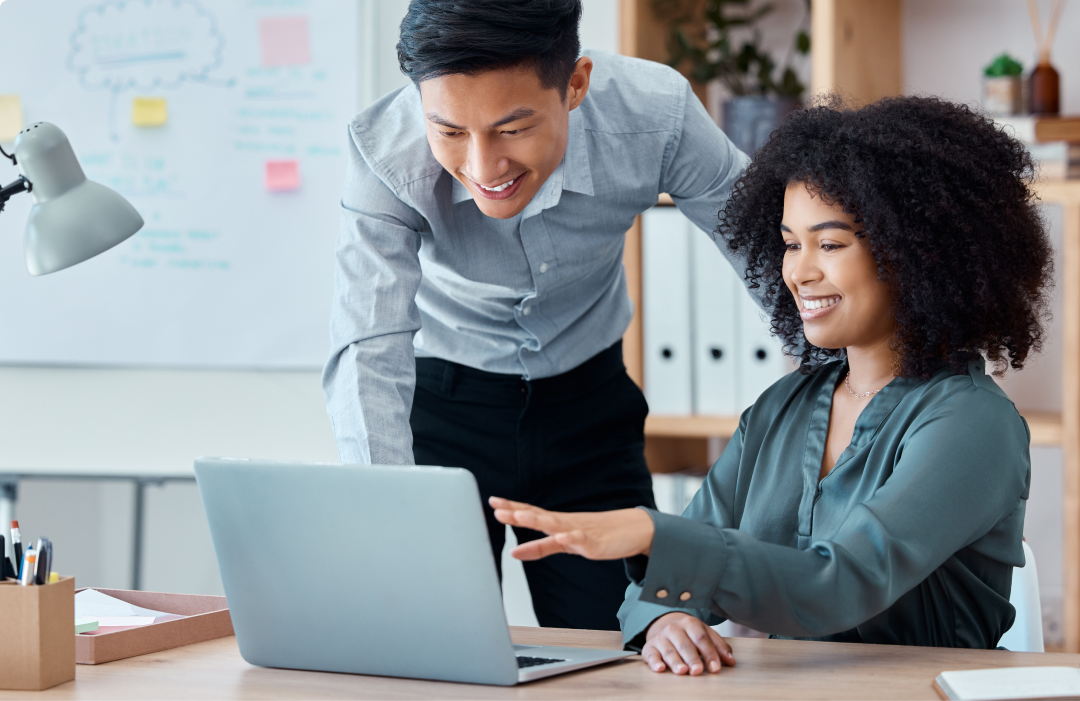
661,593
685,596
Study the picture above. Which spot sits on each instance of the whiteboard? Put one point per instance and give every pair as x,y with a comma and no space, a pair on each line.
226,273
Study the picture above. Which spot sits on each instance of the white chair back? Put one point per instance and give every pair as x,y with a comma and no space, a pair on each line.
1026,634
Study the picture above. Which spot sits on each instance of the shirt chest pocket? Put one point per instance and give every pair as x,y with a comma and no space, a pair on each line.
569,249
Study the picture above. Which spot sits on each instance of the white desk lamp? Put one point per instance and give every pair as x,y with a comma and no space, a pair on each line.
73,219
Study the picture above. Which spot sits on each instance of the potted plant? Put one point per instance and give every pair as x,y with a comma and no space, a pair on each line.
1003,86
762,92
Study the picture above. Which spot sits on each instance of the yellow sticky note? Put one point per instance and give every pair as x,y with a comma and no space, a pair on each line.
149,111
11,117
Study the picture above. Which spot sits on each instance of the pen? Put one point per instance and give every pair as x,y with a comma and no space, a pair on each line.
39,551
26,573
16,544
44,551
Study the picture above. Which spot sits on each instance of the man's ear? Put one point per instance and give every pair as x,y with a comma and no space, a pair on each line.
579,82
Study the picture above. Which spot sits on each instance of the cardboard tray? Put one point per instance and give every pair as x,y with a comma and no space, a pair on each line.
207,618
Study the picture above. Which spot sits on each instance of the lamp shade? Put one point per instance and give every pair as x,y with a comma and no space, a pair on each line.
72,219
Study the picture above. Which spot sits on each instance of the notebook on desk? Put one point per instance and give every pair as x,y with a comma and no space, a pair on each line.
1008,683
382,570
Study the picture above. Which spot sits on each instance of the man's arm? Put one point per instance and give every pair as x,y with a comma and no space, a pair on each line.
699,171
370,377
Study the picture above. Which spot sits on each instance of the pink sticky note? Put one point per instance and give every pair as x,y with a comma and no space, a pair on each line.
282,176
284,41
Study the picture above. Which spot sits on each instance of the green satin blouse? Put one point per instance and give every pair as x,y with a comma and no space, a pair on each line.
911,539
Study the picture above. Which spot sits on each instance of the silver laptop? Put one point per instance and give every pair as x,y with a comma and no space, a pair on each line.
381,570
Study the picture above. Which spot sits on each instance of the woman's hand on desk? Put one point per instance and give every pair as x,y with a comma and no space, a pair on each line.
684,644
607,535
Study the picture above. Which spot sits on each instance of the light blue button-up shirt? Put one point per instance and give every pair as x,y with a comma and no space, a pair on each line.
422,272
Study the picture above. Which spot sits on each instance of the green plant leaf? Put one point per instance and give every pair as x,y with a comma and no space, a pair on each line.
1003,65
802,43
746,70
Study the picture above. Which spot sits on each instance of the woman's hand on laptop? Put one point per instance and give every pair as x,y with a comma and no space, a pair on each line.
607,535
685,645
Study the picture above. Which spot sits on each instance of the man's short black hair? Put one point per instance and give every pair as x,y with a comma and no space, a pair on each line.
444,37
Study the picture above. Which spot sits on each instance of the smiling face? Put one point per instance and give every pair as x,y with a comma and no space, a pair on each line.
832,274
501,133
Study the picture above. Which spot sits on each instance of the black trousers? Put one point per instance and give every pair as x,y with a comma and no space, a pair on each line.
573,442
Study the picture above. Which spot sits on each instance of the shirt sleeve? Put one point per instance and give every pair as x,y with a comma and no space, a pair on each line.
700,170
964,468
370,376
714,499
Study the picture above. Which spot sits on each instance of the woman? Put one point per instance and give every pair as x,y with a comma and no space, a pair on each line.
878,495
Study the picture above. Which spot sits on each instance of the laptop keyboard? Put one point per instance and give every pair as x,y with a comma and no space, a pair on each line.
524,661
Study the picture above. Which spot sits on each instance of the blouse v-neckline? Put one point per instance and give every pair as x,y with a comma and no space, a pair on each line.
866,426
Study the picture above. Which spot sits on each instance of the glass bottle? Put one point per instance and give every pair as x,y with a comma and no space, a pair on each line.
1045,88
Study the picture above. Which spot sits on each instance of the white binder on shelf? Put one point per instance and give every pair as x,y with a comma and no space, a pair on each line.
761,357
665,248
716,293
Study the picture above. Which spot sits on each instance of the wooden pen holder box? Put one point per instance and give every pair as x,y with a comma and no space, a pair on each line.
37,634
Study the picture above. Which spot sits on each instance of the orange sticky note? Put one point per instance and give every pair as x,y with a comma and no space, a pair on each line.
11,117
149,111
284,41
282,176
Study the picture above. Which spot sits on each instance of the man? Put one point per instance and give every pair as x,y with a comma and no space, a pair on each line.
480,295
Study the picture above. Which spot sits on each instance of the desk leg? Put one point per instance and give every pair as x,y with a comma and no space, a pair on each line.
9,494
1070,419
137,534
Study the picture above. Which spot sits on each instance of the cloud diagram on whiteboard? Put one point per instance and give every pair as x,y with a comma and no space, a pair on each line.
144,45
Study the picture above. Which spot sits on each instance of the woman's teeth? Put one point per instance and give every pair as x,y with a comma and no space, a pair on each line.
819,303
499,188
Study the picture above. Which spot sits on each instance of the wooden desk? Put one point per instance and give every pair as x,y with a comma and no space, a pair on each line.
766,669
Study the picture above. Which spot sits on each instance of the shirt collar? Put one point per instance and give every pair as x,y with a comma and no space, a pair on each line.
578,177
875,412
573,172
460,192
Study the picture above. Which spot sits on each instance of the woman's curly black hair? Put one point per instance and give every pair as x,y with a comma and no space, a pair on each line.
942,196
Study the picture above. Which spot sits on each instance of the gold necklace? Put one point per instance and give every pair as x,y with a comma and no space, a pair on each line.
860,396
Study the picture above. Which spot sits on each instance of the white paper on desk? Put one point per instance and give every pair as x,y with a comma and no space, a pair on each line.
91,603
106,621
1011,683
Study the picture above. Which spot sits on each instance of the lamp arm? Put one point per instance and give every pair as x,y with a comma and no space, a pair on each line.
9,191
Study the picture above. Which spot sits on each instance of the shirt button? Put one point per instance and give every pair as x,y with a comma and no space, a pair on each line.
543,267
685,596
661,593
526,311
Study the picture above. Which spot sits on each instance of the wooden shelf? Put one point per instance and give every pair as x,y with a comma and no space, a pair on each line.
1058,191
1046,427
691,426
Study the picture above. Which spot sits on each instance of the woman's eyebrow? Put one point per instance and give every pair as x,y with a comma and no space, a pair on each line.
834,224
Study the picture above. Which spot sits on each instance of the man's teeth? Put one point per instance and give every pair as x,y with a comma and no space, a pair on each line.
499,188
819,303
